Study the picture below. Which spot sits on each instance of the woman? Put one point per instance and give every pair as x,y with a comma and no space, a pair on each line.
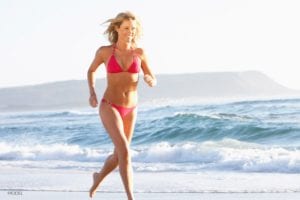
123,61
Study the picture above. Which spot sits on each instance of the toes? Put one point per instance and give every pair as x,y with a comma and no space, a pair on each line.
92,192
93,188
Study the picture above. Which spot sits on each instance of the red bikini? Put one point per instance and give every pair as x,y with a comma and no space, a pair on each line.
114,67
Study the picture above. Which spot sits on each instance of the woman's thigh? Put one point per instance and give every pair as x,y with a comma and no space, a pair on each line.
113,124
129,124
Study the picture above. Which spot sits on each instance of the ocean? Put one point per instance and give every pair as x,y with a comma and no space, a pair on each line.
241,138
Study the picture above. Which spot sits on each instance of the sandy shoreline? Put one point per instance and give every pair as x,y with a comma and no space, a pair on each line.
151,182
46,195
36,184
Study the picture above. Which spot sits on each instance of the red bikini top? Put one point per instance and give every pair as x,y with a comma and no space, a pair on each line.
114,67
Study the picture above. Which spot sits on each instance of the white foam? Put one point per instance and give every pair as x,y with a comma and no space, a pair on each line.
227,154
50,152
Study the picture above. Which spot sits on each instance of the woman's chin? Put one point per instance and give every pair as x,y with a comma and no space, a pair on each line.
129,39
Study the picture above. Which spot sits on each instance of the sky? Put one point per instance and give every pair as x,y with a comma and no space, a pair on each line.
56,40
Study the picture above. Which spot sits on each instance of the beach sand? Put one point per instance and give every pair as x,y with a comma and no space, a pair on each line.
36,184
47,195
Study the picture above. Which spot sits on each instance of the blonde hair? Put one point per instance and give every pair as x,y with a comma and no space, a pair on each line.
117,21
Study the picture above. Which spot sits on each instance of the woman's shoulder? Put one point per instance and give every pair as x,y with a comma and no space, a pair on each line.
139,52
104,50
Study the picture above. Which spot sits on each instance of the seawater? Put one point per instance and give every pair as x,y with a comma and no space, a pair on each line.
242,136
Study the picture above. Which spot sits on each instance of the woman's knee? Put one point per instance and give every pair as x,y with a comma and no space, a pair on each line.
123,151
114,157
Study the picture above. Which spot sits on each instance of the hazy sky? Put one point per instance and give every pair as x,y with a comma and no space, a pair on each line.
46,41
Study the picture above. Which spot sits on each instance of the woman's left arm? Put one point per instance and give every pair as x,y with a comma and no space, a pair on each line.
149,77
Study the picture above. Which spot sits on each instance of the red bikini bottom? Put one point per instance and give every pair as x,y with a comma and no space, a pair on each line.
122,110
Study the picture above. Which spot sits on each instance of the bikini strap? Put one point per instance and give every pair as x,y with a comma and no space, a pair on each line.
105,101
114,49
133,53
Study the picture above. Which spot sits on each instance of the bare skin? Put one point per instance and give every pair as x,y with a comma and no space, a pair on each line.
112,161
121,90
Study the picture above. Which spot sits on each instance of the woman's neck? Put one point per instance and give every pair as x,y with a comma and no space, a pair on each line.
123,46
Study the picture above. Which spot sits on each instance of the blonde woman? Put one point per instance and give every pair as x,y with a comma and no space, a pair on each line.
123,61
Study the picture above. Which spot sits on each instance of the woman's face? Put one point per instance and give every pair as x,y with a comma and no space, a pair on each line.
127,30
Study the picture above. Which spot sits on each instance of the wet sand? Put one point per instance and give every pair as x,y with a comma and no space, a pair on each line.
58,195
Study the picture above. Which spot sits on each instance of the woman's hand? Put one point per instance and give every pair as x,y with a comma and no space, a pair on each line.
149,80
93,100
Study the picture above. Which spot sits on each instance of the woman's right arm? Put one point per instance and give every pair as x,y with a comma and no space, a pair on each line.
98,60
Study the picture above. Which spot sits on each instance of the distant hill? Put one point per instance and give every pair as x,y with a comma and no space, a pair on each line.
74,93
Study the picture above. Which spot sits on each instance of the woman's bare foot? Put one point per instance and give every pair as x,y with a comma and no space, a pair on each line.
95,184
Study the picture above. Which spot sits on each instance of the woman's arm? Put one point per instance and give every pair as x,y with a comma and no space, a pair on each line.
149,77
98,60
